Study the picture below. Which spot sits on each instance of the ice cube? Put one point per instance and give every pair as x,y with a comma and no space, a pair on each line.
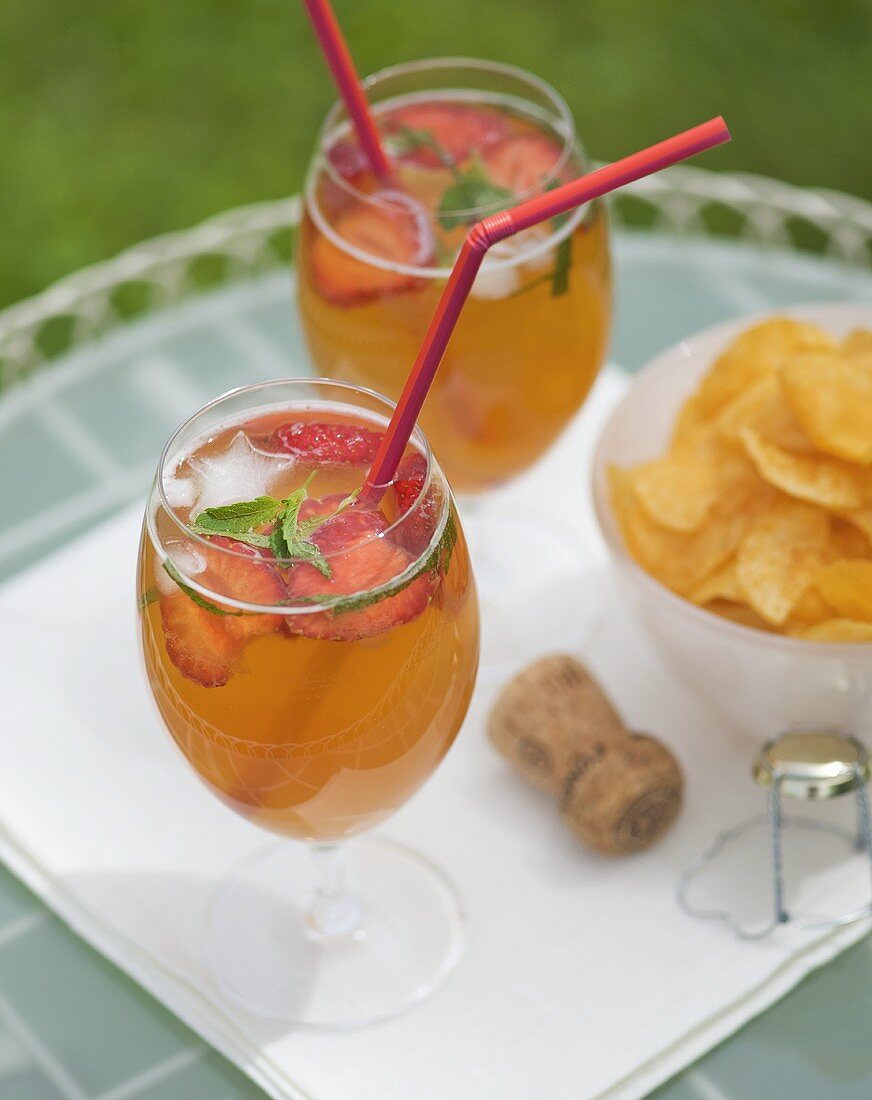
495,281
239,473
536,249
181,492
511,262
186,558
164,582
501,273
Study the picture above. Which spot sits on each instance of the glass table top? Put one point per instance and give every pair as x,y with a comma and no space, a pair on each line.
84,435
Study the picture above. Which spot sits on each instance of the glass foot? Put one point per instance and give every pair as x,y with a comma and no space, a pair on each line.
265,954
536,595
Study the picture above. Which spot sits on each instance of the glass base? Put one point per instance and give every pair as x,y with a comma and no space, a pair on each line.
535,594
264,955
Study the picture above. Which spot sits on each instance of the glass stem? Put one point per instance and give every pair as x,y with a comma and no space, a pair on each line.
332,910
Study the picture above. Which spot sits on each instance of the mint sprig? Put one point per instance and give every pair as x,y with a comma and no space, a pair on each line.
472,189
407,140
290,538
240,518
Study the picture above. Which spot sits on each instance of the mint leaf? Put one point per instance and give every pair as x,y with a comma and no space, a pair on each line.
558,276
277,543
199,600
562,264
563,258
291,515
323,566
285,531
237,519
407,140
148,597
445,549
289,538
250,538
310,553
471,190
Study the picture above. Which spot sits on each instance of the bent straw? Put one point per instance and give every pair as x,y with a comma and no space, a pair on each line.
496,228
347,82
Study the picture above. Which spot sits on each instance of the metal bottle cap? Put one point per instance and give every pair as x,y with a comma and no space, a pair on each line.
813,765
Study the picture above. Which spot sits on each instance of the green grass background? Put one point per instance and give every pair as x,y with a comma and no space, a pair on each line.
120,119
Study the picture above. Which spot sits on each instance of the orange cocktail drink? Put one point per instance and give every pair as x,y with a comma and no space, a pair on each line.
465,139
312,655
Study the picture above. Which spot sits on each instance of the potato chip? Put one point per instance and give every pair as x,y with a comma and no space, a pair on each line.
676,491
761,511
831,396
849,539
738,613
763,407
825,481
757,352
846,587
858,343
723,584
683,561
836,630
861,518
780,556
809,609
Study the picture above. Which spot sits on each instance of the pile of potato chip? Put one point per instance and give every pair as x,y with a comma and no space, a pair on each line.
761,510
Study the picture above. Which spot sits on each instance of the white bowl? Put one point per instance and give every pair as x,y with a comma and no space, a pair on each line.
762,683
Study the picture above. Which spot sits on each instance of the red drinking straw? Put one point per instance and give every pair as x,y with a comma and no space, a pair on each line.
496,228
348,83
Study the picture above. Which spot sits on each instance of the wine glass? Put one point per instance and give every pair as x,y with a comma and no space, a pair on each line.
465,138
313,661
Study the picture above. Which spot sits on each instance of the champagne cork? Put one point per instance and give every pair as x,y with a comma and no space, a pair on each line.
618,791
550,717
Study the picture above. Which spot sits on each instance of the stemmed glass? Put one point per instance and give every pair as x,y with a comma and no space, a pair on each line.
373,257
313,702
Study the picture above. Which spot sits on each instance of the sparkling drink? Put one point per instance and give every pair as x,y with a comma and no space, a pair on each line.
465,139
312,654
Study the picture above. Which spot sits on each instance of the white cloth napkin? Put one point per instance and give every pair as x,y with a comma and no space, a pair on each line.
582,977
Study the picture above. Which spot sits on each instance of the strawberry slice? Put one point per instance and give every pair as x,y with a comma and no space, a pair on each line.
361,558
247,575
203,644
326,442
521,162
458,128
416,531
392,228
196,641
348,159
